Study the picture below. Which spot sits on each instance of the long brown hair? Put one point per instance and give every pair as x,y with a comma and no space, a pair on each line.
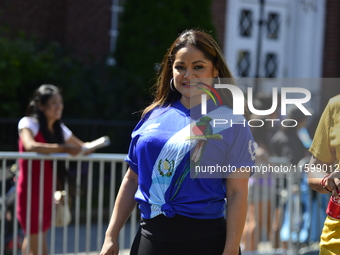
210,49
41,96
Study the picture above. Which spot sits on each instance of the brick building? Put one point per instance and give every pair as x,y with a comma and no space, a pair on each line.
82,26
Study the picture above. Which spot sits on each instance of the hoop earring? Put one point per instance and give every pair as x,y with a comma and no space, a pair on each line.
172,86
218,78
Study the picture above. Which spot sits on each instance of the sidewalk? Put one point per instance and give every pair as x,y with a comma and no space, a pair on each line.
122,252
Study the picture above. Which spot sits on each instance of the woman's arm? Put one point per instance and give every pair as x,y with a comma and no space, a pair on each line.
237,196
75,141
124,205
31,145
317,170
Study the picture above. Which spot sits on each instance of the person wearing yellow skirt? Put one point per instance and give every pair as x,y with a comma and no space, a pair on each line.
324,172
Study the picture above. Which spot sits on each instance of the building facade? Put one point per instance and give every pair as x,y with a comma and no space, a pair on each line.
260,38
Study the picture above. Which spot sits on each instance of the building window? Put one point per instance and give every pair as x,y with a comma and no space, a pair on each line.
273,26
246,23
243,63
271,65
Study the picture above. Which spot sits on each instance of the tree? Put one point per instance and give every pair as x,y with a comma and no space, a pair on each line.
27,62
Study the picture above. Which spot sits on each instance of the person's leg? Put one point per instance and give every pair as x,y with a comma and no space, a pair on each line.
276,224
212,246
34,245
144,246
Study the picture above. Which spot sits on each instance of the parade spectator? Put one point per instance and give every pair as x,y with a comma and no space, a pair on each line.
324,175
259,205
293,142
42,131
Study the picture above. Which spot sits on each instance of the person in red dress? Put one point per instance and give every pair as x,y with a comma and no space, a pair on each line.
41,131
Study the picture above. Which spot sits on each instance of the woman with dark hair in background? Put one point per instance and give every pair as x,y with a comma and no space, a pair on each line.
184,214
41,131
293,142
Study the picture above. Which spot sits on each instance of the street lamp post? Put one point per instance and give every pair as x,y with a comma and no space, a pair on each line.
261,23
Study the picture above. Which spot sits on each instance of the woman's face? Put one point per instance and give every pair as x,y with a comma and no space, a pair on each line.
53,108
190,63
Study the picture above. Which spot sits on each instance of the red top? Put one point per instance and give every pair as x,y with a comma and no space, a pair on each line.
34,203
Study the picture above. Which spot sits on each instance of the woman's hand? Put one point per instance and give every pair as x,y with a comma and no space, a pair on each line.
74,145
72,149
331,183
110,246
323,179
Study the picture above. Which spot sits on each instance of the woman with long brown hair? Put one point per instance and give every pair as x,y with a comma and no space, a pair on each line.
182,206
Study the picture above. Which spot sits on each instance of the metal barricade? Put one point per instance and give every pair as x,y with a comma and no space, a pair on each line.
281,203
288,214
97,179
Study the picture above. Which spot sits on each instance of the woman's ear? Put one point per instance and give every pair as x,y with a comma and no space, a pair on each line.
215,72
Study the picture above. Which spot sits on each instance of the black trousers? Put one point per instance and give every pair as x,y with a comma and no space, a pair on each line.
205,246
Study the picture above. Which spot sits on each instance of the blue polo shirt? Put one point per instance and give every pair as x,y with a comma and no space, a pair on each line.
166,149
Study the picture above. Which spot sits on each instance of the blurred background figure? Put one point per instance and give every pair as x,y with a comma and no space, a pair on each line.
293,143
259,222
258,216
41,131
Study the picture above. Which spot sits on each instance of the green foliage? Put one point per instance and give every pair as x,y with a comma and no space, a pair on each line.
147,30
24,65
28,62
